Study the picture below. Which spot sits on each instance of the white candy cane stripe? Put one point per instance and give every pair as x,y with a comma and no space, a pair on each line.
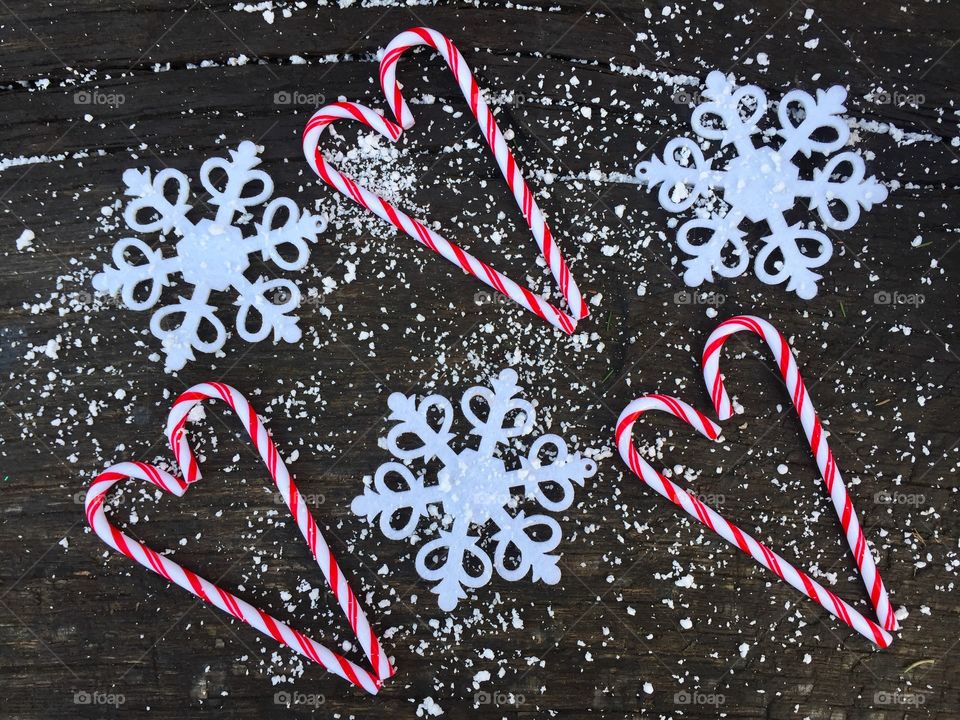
294,500
728,531
422,234
511,171
789,370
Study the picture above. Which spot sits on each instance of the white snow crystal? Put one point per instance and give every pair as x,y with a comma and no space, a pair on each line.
25,241
429,708
481,677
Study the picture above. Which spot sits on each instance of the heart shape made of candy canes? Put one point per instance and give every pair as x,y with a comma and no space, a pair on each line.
501,152
207,591
694,507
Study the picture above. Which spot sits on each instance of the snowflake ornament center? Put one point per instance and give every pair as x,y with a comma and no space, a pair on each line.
213,255
474,488
761,182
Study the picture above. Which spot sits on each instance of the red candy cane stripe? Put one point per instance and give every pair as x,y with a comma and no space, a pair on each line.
294,500
787,364
728,531
213,594
416,229
491,131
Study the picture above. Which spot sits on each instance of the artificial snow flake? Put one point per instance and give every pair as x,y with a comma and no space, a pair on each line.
762,184
474,488
212,255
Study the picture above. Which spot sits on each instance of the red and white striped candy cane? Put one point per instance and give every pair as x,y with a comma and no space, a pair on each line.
790,372
416,229
207,591
713,520
508,165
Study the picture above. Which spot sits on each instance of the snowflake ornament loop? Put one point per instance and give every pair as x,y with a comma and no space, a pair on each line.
474,488
211,254
761,184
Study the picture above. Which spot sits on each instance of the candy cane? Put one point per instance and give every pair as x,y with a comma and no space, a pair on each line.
416,229
491,131
210,592
713,520
813,429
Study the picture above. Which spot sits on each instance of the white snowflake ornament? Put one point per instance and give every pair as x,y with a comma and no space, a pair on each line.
212,255
761,184
474,489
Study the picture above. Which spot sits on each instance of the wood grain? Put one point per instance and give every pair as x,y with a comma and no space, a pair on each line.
76,619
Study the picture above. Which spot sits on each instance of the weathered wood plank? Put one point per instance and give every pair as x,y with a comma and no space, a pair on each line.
75,619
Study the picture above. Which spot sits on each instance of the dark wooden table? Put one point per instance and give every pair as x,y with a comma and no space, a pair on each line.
86,633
